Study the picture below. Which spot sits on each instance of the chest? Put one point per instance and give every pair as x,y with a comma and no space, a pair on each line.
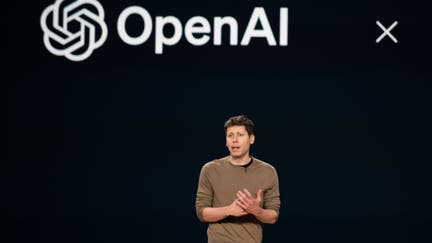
226,183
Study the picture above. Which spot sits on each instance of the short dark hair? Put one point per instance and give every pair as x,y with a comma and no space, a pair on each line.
240,120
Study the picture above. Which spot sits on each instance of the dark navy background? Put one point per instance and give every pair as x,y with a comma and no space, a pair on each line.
110,149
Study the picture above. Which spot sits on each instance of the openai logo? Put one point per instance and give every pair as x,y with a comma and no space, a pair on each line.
74,28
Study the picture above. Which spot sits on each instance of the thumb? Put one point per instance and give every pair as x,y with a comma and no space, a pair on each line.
259,195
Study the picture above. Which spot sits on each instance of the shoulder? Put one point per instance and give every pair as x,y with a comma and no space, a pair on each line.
215,164
263,165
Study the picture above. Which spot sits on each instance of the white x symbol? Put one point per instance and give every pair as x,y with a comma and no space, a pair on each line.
386,32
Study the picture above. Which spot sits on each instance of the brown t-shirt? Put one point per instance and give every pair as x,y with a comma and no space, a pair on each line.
218,184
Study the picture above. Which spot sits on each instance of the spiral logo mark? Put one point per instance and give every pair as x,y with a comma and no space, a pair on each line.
74,28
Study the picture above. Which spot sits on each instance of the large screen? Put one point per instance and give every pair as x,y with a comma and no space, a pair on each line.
113,107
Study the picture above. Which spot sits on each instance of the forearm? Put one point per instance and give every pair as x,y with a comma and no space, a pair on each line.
214,214
266,216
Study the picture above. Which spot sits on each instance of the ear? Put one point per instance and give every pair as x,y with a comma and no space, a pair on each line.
252,139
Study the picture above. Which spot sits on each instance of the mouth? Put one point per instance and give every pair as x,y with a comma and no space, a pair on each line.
235,148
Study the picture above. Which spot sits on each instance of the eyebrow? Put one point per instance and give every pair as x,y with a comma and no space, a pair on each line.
241,132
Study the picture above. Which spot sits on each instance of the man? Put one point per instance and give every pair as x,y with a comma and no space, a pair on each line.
238,193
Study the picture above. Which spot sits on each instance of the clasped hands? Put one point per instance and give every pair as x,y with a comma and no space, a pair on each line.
245,203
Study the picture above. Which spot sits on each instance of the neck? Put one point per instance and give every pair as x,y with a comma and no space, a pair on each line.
240,160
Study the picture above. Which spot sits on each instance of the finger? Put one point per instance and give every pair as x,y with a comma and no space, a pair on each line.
259,196
242,194
240,203
248,194
241,198
244,202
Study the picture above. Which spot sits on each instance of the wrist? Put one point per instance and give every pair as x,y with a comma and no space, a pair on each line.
226,211
258,212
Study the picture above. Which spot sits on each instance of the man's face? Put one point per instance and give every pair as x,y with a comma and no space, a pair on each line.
238,141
